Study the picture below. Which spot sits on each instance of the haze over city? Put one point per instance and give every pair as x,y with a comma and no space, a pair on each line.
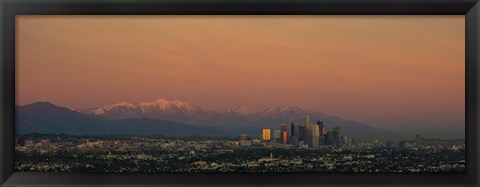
393,72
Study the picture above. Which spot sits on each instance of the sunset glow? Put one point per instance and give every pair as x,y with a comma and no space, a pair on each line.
396,72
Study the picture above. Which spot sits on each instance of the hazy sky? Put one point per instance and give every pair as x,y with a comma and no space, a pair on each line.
388,71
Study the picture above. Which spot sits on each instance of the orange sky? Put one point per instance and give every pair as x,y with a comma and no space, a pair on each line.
387,71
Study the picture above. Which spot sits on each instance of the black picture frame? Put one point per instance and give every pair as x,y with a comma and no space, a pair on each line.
10,8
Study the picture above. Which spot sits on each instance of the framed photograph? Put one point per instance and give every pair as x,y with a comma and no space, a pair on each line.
239,93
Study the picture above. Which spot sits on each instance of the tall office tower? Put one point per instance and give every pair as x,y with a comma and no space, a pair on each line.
321,140
308,123
309,136
337,136
301,133
266,135
284,133
276,136
338,129
308,140
284,137
329,138
283,127
321,128
308,132
315,136
295,129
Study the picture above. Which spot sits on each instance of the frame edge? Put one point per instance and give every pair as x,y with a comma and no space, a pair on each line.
472,50
7,96
472,18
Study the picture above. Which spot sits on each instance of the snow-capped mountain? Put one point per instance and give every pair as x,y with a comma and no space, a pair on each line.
179,117
239,119
45,117
291,110
106,108
164,105
238,111
185,112
159,109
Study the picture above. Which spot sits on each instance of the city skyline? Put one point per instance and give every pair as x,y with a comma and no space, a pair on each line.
66,153
309,134
392,72
309,147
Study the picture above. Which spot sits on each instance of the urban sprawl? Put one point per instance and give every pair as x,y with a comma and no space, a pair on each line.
309,147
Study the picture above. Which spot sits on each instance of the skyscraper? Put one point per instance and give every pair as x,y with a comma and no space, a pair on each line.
308,136
266,135
315,136
308,131
295,129
324,136
337,136
329,139
321,128
283,133
308,123
277,136
294,133
301,133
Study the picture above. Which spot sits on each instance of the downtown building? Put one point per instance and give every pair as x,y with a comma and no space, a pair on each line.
308,134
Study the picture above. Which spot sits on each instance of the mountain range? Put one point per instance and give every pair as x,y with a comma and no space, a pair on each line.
176,118
44,117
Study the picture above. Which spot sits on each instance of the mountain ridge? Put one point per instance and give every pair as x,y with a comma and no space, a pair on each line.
45,117
236,119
